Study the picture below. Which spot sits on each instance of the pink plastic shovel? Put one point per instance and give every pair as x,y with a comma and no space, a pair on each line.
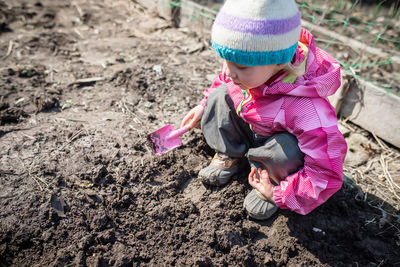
165,139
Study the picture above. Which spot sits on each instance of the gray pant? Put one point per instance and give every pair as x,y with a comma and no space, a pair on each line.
227,133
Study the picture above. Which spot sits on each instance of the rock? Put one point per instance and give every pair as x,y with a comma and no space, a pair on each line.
359,149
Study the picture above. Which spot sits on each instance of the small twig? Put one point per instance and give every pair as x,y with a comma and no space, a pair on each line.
348,125
382,196
78,8
66,119
366,195
34,177
389,178
382,210
74,136
376,181
10,47
18,129
384,147
391,226
135,118
368,166
74,120
372,179
43,181
389,155
394,158
78,33
10,172
30,137
370,221
88,80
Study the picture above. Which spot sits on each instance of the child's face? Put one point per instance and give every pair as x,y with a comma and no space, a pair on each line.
248,77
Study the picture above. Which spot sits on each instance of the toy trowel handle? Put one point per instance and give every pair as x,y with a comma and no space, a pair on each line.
176,133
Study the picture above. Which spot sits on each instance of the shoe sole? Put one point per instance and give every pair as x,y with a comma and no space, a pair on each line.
217,182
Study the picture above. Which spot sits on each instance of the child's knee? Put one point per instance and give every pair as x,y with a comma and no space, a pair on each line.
218,94
280,155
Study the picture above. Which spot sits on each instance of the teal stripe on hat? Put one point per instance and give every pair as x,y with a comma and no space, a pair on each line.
248,58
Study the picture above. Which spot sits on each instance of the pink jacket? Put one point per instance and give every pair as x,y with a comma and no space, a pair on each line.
301,108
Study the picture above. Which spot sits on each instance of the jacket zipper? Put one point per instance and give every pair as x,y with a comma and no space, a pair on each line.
244,101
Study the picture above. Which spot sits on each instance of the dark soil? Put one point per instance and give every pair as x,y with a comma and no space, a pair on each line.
82,84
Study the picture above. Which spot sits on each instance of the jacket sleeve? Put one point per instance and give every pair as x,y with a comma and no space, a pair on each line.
324,148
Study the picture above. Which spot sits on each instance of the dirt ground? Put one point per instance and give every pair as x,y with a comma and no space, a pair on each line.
82,84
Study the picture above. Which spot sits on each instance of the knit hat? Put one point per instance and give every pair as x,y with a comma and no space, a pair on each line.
257,32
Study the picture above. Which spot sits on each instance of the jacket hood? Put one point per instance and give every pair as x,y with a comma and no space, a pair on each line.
322,73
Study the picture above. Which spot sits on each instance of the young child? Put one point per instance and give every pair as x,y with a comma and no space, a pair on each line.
270,105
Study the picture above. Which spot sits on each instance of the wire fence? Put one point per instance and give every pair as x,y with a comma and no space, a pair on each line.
364,36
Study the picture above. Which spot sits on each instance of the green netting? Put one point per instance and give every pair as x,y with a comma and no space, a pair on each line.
364,37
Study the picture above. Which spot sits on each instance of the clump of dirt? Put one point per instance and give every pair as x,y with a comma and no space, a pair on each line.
80,185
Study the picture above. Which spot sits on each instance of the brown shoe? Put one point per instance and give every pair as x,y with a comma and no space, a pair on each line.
220,170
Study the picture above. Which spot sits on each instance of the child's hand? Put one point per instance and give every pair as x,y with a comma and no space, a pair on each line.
192,119
261,183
